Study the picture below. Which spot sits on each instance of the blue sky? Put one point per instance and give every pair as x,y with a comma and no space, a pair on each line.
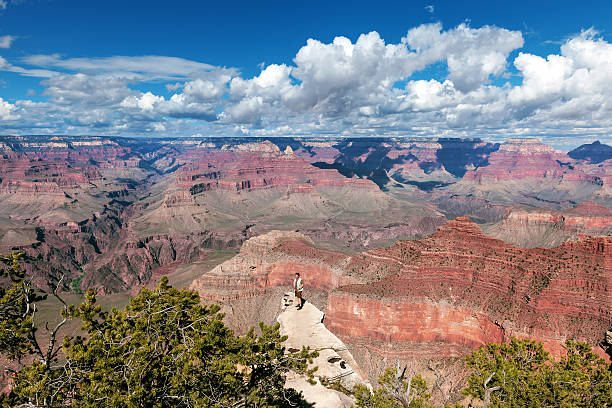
429,68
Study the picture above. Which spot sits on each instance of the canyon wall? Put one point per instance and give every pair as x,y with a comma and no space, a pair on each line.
435,297
109,212
530,227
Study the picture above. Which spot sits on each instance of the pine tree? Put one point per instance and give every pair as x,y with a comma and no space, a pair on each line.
164,349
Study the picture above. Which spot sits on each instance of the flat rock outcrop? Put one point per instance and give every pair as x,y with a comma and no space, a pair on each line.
306,328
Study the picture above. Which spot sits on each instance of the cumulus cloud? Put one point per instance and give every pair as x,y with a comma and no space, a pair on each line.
581,73
205,90
341,77
473,55
7,111
182,106
155,107
248,110
97,90
344,87
145,102
104,85
352,86
272,83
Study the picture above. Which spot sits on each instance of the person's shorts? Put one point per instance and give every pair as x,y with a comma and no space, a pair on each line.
298,294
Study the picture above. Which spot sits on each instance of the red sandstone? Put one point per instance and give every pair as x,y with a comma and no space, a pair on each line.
456,287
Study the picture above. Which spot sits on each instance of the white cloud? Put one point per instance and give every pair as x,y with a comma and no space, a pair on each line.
145,102
472,54
42,73
206,89
183,106
580,73
343,87
430,8
342,76
149,66
271,85
6,41
7,111
174,87
248,110
87,90
159,127
155,107
3,4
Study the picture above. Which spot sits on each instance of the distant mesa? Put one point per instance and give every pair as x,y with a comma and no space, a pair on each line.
122,209
595,152
538,227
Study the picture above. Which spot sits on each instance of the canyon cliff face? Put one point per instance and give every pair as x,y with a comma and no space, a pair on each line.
108,213
67,204
525,171
112,212
518,171
250,285
529,227
435,297
61,202
258,166
480,289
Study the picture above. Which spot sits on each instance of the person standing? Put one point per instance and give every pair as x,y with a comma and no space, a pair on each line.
298,287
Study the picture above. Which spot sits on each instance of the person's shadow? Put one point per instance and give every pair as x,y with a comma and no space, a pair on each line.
303,303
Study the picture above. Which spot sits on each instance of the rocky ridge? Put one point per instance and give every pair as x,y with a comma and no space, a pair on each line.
529,227
110,212
435,297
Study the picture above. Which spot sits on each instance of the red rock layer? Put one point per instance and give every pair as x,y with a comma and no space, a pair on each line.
456,287
252,170
52,167
549,294
518,159
587,218
426,321
271,260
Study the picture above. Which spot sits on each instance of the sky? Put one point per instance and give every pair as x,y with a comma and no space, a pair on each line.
484,69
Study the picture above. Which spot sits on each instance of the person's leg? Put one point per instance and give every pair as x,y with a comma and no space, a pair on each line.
298,296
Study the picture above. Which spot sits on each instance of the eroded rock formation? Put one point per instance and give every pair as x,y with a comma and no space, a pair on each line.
531,227
439,296
109,212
